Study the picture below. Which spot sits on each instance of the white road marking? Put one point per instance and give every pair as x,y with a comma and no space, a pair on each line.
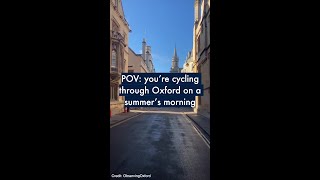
118,123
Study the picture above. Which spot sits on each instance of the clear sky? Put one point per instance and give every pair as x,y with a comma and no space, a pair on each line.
163,23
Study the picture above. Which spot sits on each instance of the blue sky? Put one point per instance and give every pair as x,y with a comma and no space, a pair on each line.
163,23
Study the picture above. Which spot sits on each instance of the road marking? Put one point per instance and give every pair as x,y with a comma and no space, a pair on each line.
203,137
118,123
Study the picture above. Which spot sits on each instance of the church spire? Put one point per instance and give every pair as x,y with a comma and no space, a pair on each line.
175,62
175,51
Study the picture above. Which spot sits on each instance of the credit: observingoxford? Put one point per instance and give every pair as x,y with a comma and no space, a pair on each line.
131,175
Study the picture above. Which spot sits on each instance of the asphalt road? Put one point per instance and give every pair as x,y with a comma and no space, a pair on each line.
161,144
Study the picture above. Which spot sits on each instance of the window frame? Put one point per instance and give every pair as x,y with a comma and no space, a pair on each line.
114,60
114,96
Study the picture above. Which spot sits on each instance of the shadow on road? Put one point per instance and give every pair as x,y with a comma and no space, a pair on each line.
166,110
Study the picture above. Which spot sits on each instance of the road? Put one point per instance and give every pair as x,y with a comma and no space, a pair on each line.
163,144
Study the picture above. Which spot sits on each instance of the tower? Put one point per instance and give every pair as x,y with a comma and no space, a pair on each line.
144,49
197,12
149,58
175,62
148,54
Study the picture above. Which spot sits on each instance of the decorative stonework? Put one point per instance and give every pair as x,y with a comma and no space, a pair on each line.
116,36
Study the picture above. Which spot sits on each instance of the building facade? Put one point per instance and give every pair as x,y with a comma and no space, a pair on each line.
201,53
141,63
175,63
188,64
119,53
136,63
147,56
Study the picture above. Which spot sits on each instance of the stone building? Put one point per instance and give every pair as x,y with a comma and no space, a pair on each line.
141,63
119,53
175,63
136,63
187,66
201,53
147,56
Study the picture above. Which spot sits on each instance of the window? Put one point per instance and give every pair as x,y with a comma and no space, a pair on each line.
130,71
114,57
114,60
113,92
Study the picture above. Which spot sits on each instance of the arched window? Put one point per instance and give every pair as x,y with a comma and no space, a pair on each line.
114,58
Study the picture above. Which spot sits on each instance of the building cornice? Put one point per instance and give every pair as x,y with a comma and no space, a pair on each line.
123,19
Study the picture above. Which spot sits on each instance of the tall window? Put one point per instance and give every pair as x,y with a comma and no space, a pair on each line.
114,58
113,92
120,59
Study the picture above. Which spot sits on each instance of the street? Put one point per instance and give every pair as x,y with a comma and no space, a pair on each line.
161,143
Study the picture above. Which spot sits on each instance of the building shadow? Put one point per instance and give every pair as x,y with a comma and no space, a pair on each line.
166,110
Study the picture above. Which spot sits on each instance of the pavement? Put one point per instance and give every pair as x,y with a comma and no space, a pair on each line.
202,122
163,144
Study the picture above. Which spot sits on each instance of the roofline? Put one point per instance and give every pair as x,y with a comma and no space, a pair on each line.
132,50
135,53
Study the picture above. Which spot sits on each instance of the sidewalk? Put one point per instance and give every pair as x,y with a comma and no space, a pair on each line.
201,121
121,117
